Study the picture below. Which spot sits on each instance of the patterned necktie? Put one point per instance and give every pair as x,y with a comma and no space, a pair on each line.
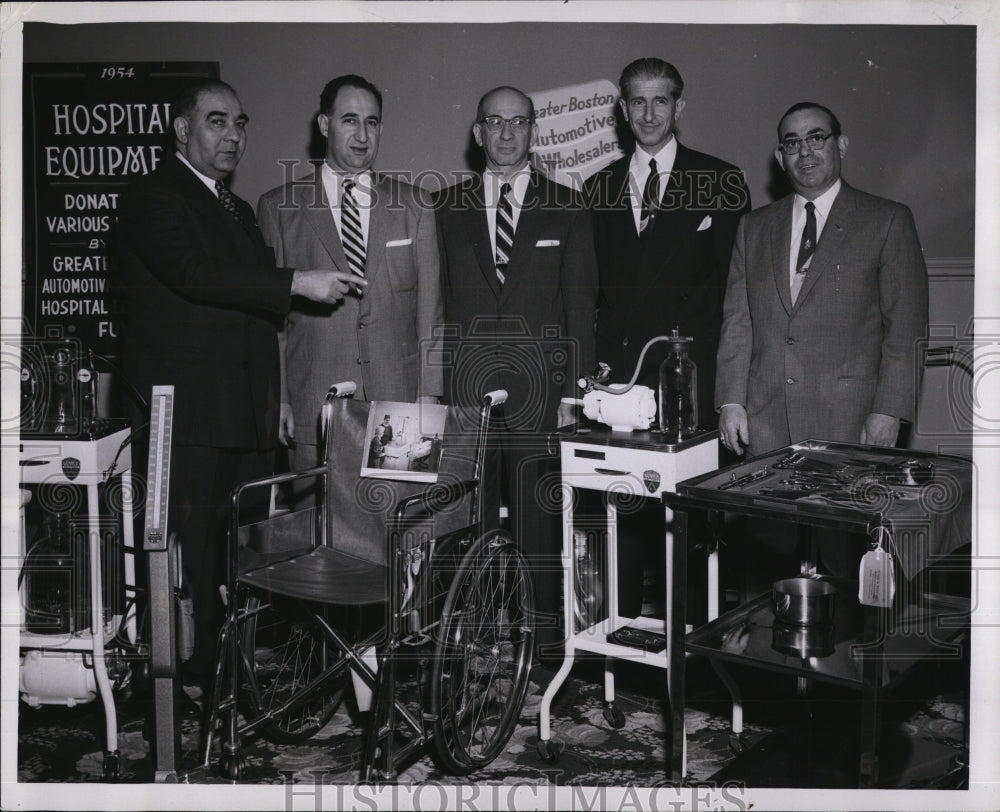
806,248
808,244
505,232
350,229
650,200
230,203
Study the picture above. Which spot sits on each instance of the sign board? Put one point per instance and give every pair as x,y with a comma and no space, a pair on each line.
576,130
88,129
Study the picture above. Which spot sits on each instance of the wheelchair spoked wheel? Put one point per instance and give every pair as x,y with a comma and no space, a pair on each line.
482,655
284,649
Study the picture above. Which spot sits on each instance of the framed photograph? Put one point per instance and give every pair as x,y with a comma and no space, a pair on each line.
403,441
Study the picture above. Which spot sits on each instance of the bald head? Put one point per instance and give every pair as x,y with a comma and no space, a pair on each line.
504,90
505,128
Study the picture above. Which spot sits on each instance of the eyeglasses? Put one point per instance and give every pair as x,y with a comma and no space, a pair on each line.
814,141
495,124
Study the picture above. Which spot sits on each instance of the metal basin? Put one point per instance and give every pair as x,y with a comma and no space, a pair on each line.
803,601
802,641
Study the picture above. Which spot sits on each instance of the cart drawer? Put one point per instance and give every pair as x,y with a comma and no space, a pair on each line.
632,471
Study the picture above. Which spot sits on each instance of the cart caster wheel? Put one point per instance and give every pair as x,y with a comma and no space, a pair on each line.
233,766
550,750
737,743
614,717
112,767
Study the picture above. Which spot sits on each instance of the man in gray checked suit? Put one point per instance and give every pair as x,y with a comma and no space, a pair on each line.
376,228
825,303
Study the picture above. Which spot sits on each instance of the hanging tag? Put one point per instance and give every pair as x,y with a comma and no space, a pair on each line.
876,582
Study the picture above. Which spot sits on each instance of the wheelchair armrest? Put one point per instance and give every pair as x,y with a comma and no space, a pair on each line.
433,500
275,479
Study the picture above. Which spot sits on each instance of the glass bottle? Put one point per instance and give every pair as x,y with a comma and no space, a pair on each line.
678,390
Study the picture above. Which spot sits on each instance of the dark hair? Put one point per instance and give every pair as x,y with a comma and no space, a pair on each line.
795,108
186,100
649,67
488,93
329,95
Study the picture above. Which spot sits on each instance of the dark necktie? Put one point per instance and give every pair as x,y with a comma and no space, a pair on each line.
806,248
231,203
808,244
504,232
650,200
350,228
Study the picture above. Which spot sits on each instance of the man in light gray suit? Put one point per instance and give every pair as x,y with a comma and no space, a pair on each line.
825,303
374,229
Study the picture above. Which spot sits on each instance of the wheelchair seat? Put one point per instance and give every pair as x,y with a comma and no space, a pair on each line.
456,596
315,575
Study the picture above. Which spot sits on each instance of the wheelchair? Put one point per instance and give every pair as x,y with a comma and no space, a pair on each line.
439,591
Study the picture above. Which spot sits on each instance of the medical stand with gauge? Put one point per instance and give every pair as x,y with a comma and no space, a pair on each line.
76,577
622,454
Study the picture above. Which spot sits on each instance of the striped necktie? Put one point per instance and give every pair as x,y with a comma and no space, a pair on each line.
650,200
504,232
350,229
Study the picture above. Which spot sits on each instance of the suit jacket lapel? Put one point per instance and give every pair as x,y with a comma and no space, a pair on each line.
477,227
529,226
617,213
378,229
662,242
828,247
781,238
619,204
203,198
321,219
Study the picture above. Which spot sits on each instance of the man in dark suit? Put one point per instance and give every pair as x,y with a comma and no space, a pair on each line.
203,300
520,284
664,232
376,448
826,302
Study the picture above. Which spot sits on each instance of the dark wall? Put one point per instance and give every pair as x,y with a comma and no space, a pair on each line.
905,94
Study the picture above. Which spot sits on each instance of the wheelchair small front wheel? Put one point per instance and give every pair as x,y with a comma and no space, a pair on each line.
284,649
482,655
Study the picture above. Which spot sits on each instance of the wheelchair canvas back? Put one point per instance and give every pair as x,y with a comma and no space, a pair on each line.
360,508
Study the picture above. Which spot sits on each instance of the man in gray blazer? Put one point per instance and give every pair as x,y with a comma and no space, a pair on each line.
825,303
375,228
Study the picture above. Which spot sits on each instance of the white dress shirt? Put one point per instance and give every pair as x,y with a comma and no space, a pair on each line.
332,184
491,196
823,205
638,172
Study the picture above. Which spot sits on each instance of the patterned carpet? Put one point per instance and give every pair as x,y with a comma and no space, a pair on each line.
924,727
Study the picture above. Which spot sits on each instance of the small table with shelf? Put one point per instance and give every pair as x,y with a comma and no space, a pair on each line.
89,462
867,648
632,465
